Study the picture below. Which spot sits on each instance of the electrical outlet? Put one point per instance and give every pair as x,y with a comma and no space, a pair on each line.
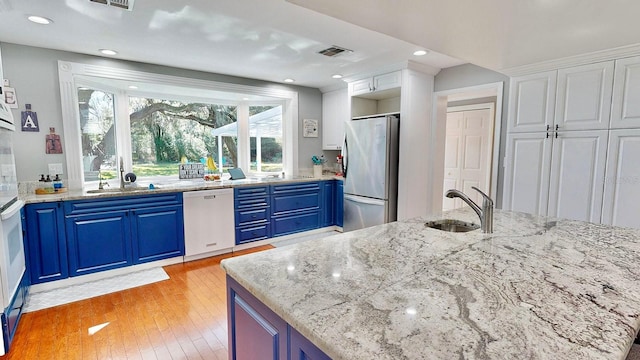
55,168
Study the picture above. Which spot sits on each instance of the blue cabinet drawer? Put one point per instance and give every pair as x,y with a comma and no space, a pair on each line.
252,216
247,234
285,203
241,192
295,223
307,186
252,202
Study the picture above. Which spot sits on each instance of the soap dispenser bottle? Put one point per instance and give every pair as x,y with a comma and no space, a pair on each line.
57,183
48,185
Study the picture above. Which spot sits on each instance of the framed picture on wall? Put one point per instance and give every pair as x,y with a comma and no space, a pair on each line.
310,128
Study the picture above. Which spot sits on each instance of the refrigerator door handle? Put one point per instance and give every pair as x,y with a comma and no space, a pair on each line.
345,156
363,200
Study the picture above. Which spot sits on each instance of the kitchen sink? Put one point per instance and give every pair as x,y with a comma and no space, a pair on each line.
452,225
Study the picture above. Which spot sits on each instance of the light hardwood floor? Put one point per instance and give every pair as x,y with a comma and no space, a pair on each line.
184,317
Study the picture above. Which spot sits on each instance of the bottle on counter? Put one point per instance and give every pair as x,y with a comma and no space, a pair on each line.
57,183
48,185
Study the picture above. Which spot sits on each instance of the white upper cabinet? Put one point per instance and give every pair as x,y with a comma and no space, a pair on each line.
621,205
577,175
526,182
382,82
335,112
625,111
532,102
583,99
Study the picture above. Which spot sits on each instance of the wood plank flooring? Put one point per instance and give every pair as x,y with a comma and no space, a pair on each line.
184,317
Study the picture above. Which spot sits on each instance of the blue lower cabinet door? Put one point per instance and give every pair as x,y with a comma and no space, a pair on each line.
301,348
46,244
98,242
255,332
157,233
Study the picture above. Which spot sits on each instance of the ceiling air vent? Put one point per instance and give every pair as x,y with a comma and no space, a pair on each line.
334,51
122,4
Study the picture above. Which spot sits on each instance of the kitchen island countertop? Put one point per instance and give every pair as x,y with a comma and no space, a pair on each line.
537,288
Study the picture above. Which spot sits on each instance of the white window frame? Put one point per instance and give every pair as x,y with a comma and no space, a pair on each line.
71,74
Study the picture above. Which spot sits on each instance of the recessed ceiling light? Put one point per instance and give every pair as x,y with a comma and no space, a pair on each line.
39,20
420,52
337,76
132,87
288,80
108,52
245,98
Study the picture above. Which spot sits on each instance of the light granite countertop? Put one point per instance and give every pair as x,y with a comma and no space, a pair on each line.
167,187
537,288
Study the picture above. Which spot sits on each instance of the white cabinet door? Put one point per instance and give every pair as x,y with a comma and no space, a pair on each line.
387,81
532,102
526,180
584,97
625,112
621,205
577,175
335,112
382,82
360,87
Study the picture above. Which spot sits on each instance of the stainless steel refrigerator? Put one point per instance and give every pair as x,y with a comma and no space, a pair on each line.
370,158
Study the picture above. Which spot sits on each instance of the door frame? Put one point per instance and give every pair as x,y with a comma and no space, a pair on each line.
438,134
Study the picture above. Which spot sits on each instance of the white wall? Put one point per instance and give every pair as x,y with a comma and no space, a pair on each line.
33,72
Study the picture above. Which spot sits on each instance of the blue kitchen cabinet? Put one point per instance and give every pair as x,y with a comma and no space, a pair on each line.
256,332
106,234
300,348
339,202
158,233
295,207
328,202
98,241
46,243
252,213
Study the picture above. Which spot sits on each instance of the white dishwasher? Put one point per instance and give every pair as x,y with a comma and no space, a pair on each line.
208,221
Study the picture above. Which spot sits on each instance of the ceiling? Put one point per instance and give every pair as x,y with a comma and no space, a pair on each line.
277,39
496,34
262,39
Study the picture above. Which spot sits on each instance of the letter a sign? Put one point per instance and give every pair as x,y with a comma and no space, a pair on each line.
29,119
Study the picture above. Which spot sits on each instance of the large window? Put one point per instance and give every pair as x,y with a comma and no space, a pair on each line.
97,131
165,133
163,121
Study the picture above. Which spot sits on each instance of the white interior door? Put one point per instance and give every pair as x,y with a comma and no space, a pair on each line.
577,175
468,150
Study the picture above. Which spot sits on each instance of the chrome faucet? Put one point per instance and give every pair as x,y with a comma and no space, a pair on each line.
485,213
122,182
